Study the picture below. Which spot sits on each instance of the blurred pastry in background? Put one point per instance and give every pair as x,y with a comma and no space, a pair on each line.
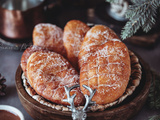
49,36
74,32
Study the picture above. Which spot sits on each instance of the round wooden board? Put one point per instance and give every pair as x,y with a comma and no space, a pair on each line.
125,110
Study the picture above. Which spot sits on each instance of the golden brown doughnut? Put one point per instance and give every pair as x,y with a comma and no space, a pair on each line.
26,55
48,73
106,67
74,32
49,36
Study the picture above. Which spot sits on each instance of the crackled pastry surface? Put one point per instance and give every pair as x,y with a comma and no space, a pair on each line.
48,73
95,37
49,36
74,32
106,66
26,55
135,79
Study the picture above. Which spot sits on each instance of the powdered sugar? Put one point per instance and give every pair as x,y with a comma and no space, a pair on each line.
94,39
103,58
134,82
74,33
50,74
49,36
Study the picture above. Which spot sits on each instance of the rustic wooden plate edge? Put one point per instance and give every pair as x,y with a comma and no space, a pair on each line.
37,105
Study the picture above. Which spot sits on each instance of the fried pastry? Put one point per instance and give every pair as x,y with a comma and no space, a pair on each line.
49,36
48,73
106,67
26,55
74,32
95,37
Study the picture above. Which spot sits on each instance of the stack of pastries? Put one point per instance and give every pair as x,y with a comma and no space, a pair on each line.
95,57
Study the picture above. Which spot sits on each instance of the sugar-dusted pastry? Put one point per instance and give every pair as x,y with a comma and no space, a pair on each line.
49,36
74,32
107,66
95,37
48,73
26,55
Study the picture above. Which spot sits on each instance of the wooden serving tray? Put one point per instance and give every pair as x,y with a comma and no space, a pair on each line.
123,111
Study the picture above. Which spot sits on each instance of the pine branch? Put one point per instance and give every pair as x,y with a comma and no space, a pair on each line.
155,117
132,25
111,1
141,14
154,96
